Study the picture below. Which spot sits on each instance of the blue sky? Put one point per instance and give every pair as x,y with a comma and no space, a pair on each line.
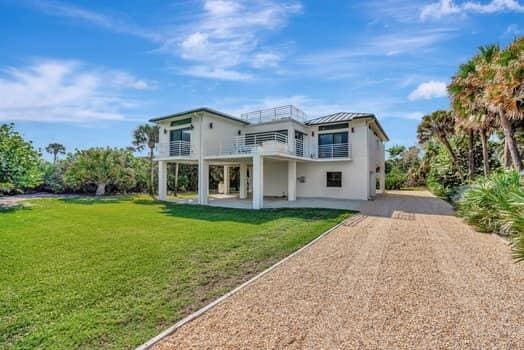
87,73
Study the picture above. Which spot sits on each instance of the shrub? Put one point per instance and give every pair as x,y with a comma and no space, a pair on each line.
443,178
395,179
496,204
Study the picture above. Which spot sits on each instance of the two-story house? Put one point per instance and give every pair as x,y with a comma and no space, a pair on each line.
279,152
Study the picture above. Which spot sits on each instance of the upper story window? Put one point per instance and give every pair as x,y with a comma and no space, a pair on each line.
333,126
181,122
333,145
180,142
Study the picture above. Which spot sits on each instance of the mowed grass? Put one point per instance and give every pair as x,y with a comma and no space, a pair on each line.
111,273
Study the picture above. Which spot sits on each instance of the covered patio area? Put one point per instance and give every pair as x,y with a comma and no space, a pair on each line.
251,193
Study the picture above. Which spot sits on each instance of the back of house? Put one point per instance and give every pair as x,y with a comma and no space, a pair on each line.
280,152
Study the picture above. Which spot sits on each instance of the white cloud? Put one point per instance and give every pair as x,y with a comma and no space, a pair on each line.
57,8
445,8
428,90
226,37
215,73
67,91
265,59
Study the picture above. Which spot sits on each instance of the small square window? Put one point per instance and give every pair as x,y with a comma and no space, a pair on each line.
334,179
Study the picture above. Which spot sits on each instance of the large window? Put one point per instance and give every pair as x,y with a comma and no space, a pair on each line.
180,142
333,145
334,179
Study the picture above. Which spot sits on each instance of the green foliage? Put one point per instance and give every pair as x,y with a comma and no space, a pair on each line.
496,204
19,162
54,178
101,167
402,168
442,178
396,179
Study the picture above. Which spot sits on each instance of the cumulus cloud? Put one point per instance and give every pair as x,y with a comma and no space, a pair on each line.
226,37
66,91
428,90
445,8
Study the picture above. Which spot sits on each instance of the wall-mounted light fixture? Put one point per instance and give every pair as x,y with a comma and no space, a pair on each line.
211,125
191,127
352,130
239,132
312,133
165,131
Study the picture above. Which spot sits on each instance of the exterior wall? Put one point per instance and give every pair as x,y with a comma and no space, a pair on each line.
275,178
224,132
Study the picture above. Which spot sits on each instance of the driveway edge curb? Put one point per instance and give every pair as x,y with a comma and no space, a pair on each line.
147,345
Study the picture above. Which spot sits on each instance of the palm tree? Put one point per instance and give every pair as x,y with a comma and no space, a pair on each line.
55,149
439,124
466,89
146,135
503,95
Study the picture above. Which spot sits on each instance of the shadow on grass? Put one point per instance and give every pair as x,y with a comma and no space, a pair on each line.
13,208
249,216
92,200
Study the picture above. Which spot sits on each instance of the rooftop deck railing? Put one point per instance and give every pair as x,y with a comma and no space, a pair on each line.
276,113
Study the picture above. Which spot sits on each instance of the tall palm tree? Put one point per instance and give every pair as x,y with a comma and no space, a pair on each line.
466,89
503,95
439,125
146,135
55,149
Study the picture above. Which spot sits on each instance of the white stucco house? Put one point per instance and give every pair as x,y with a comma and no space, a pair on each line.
279,151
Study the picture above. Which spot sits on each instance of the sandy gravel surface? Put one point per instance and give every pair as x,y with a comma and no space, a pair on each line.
410,275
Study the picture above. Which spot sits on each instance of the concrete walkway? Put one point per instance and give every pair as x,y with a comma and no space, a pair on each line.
408,275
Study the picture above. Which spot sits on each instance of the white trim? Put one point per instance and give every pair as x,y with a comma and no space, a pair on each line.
198,313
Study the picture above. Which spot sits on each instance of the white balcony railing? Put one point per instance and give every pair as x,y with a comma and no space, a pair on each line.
175,149
270,114
275,142
335,150
246,144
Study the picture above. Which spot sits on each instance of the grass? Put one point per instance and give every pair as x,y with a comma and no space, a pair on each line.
111,273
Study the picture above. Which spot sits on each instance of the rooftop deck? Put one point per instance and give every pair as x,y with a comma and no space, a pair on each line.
276,113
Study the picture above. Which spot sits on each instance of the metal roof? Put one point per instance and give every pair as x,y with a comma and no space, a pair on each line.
201,109
339,117
344,117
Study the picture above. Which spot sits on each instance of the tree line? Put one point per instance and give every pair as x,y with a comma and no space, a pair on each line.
471,153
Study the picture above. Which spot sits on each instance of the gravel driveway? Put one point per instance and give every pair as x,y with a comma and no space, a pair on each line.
409,275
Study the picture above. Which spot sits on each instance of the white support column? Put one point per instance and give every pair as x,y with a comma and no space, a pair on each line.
226,179
291,180
162,180
258,181
243,180
203,181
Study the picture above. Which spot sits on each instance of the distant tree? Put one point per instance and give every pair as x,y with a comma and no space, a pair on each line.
101,167
55,149
19,161
439,125
395,151
147,135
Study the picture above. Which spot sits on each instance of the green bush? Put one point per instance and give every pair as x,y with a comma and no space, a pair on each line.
443,179
496,204
395,179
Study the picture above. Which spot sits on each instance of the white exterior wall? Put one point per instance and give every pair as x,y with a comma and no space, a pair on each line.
224,132
275,178
354,171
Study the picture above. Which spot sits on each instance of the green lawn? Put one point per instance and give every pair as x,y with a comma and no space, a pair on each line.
111,273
